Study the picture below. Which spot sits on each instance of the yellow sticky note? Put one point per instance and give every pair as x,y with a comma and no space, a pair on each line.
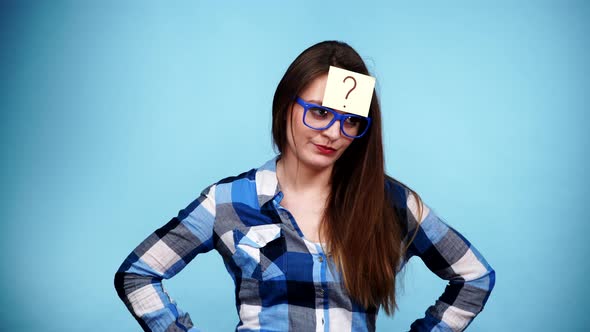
348,91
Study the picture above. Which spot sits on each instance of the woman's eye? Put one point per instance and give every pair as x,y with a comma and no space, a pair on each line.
318,112
352,121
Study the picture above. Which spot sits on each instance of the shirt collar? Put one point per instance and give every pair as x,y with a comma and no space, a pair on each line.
267,184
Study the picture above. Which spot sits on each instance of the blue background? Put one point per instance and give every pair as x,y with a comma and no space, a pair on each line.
116,115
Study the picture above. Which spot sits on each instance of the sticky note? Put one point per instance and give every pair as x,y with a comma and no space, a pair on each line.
348,91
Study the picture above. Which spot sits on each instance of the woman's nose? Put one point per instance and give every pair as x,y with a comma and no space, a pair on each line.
333,131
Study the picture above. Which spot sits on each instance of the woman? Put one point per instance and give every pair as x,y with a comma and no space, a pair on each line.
314,238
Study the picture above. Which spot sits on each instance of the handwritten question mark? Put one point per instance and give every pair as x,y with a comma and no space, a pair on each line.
349,91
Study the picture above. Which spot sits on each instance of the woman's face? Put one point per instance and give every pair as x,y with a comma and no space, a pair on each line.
317,149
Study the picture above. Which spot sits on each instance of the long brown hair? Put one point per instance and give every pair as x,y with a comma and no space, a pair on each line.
363,232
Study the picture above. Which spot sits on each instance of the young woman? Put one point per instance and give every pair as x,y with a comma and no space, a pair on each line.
314,239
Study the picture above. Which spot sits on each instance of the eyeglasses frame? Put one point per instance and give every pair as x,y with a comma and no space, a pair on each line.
337,117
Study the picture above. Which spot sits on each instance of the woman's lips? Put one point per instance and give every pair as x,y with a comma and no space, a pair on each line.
324,149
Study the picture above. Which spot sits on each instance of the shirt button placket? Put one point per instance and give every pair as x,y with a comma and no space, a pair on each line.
320,288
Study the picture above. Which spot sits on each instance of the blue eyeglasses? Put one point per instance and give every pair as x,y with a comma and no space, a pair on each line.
319,117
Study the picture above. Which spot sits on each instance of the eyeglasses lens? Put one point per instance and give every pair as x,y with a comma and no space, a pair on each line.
318,118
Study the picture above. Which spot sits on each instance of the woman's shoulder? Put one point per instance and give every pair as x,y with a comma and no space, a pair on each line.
228,183
397,191
405,200
241,186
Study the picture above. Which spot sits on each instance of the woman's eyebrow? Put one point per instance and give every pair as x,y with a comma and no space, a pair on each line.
315,101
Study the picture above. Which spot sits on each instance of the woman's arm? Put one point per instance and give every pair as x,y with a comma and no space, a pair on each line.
452,257
161,256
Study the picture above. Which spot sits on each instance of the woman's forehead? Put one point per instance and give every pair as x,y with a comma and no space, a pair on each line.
315,89
319,103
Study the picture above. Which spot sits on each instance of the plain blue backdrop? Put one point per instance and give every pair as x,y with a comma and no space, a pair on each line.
115,115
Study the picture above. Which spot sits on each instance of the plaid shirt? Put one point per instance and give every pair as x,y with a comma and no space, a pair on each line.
285,282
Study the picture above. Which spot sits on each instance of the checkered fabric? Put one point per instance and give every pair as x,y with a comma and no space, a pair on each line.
283,281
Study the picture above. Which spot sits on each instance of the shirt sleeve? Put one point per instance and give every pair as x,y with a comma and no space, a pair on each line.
452,257
162,255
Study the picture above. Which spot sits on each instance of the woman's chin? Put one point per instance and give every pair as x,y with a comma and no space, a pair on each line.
320,162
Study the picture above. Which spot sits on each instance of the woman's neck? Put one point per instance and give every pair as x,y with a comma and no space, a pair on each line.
294,176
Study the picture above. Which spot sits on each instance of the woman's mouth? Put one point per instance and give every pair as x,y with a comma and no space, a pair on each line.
324,149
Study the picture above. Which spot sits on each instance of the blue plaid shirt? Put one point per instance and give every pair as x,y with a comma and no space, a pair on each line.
285,282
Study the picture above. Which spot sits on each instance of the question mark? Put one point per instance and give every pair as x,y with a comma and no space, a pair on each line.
349,91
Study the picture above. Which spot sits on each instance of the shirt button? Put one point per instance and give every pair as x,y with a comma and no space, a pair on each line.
321,292
320,259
